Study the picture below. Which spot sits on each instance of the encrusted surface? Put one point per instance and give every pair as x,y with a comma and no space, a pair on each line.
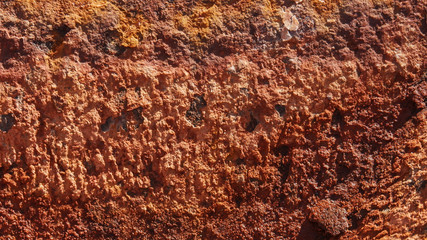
212,119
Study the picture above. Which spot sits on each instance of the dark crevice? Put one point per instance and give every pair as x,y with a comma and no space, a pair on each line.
62,30
238,200
60,33
284,170
155,180
408,110
281,151
356,218
346,17
122,122
251,125
337,118
421,185
194,113
342,170
138,91
110,43
106,126
137,113
6,122
240,161
309,231
280,109
222,46
163,52
354,222
90,168
335,197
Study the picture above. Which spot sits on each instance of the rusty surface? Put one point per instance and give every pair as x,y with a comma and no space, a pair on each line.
124,119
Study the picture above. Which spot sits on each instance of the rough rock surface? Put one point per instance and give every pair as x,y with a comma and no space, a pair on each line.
214,119
330,217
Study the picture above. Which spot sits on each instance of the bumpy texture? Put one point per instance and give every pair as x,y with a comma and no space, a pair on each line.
214,119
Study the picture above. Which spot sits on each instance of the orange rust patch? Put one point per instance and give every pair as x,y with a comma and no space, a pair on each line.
326,7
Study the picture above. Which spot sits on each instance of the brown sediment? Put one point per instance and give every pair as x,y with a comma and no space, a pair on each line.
127,119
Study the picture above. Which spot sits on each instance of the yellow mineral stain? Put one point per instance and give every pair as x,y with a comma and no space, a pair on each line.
326,7
79,13
198,26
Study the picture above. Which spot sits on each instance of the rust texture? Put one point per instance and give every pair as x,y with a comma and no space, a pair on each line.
214,119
